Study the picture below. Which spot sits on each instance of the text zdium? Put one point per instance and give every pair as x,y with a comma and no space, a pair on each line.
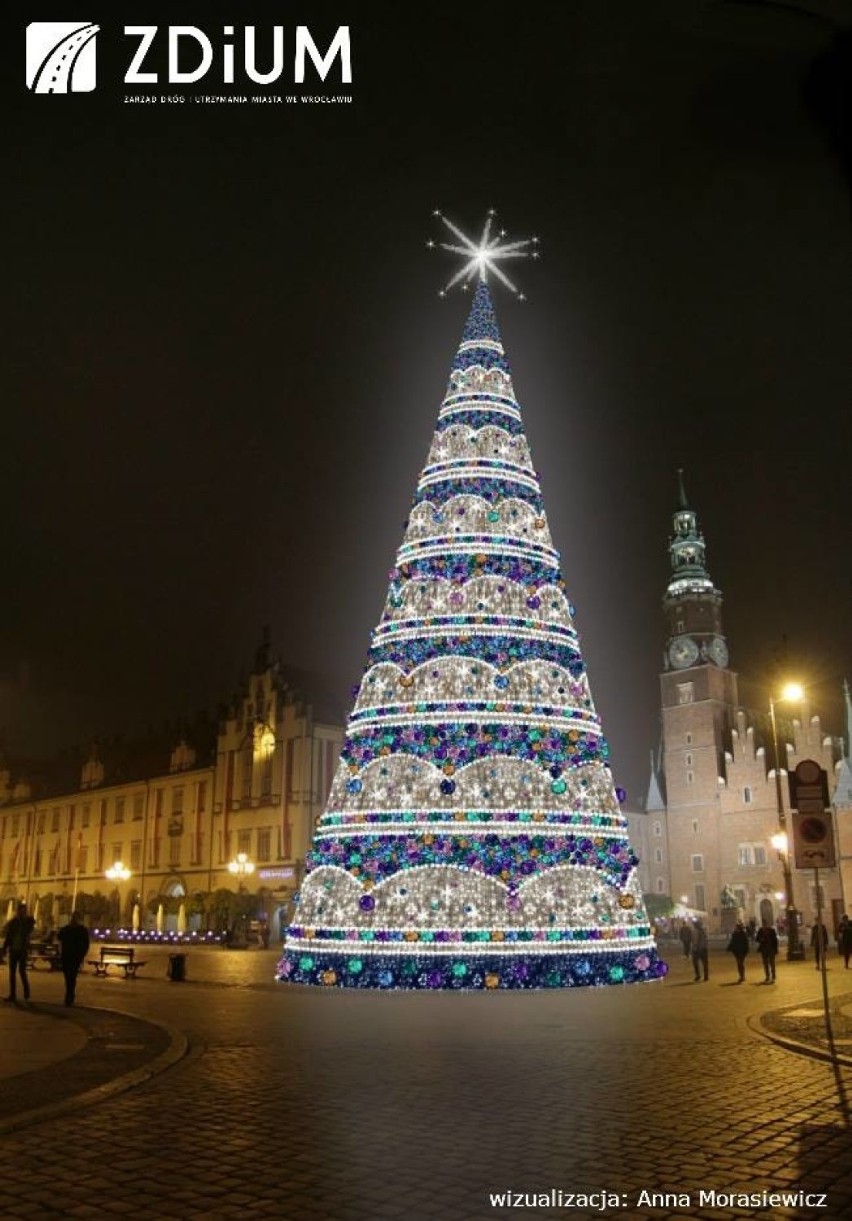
192,53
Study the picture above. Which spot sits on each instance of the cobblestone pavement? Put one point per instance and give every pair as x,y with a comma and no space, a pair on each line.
299,1103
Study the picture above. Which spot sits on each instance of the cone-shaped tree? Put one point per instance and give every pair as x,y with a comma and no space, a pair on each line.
473,836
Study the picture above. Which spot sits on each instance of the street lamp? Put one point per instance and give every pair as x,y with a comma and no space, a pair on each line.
241,866
780,841
117,873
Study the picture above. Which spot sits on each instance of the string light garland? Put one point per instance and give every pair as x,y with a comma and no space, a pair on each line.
473,836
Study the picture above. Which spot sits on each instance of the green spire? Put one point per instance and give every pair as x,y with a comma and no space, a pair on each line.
687,550
683,503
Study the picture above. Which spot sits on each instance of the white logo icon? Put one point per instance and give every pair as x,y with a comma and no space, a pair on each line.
61,56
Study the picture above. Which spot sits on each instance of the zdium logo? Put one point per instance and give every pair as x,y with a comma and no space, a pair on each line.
61,56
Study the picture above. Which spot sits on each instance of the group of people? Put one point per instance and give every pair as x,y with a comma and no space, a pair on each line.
73,948
693,938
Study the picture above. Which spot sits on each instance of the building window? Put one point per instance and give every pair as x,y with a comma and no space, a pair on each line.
202,796
747,795
745,856
37,863
138,806
695,826
136,855
658,828
103,812
174,850
660,886
697,862
244,842
85,815
689,777
688,758
119,809
689,739
699,896
684,693
40,823
264,844
83,858
116,852
16,825
177,800
658,855
54,821
759,854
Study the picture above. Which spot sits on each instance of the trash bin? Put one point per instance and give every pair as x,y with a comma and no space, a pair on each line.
177,968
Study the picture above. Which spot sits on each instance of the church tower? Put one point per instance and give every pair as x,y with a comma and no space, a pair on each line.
699,697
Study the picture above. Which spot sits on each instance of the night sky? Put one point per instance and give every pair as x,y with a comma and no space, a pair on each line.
223,349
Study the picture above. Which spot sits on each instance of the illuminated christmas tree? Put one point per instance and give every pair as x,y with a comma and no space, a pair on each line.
473,836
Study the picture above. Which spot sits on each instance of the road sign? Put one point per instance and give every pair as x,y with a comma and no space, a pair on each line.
809,784
813,838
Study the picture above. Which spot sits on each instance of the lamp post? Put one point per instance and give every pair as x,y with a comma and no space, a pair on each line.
241,867
118,873
780,841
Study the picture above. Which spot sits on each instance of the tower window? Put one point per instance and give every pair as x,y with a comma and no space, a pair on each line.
689,777
684,693
747,795
658,855
695,826
689,739
688,759
660,885
697,862
658,828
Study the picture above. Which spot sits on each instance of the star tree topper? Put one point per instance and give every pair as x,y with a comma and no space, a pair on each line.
483,256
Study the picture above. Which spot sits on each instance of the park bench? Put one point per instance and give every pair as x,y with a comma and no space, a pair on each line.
48,954
123,956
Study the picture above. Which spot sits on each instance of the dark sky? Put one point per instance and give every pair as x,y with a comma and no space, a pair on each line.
223,352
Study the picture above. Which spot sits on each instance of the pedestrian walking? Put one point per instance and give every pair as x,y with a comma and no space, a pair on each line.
686,938
844,939
700,958
738,946
16,944
767,944
819,941
73,948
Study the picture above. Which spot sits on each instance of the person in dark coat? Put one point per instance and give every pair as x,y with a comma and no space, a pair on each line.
738,946
686,938
844,939
767,944
73,948
16,944
819,942
700,957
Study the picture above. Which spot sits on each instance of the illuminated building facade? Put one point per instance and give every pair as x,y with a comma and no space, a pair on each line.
719,812
176,810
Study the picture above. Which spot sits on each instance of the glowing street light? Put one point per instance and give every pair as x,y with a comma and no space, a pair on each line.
241,866
791,693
